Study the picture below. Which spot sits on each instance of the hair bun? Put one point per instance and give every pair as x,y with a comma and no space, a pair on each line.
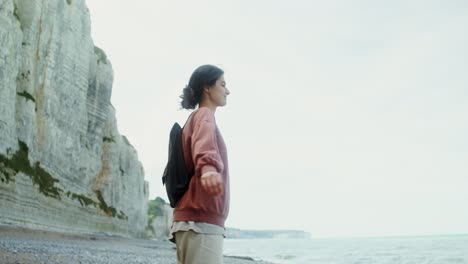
190,90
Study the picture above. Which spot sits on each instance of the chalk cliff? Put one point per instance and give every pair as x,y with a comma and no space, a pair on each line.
160,216
63,164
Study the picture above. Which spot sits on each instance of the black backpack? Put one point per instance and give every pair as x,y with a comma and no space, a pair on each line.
176,177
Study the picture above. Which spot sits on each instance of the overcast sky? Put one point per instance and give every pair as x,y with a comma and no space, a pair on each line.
346,118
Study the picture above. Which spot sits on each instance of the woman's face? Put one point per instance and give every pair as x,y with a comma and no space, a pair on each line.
218,92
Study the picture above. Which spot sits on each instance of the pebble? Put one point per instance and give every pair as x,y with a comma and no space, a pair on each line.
23,248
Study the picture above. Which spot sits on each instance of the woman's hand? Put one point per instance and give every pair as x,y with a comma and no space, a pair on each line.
212,183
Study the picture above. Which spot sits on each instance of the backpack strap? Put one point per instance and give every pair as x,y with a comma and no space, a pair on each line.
188,119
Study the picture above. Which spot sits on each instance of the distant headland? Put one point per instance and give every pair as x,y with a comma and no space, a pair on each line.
253,234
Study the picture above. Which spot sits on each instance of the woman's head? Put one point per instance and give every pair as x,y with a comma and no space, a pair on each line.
203,79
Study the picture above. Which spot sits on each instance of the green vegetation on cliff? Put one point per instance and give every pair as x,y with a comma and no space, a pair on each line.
27,96
102,58
19,162
155,208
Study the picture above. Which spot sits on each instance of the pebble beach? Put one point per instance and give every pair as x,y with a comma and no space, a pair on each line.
21,246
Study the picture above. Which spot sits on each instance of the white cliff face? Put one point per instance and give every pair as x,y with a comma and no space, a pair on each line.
63,164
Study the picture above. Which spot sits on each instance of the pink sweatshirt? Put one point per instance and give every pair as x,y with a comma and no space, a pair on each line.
204,150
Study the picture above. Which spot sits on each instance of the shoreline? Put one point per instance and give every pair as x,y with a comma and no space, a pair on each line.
24,245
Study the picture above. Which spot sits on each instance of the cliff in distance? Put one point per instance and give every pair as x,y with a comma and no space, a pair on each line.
63,164
263,234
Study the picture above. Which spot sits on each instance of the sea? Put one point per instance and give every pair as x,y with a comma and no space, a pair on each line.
451,249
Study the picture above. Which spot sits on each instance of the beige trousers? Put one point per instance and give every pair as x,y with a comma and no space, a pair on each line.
195,248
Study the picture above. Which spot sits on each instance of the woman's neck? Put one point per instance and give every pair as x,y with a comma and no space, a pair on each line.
212,107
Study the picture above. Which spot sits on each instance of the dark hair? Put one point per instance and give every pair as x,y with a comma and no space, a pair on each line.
205,75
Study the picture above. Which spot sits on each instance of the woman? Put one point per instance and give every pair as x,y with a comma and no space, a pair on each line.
199,216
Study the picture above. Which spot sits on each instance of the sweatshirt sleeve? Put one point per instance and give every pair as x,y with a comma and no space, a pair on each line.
205,152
